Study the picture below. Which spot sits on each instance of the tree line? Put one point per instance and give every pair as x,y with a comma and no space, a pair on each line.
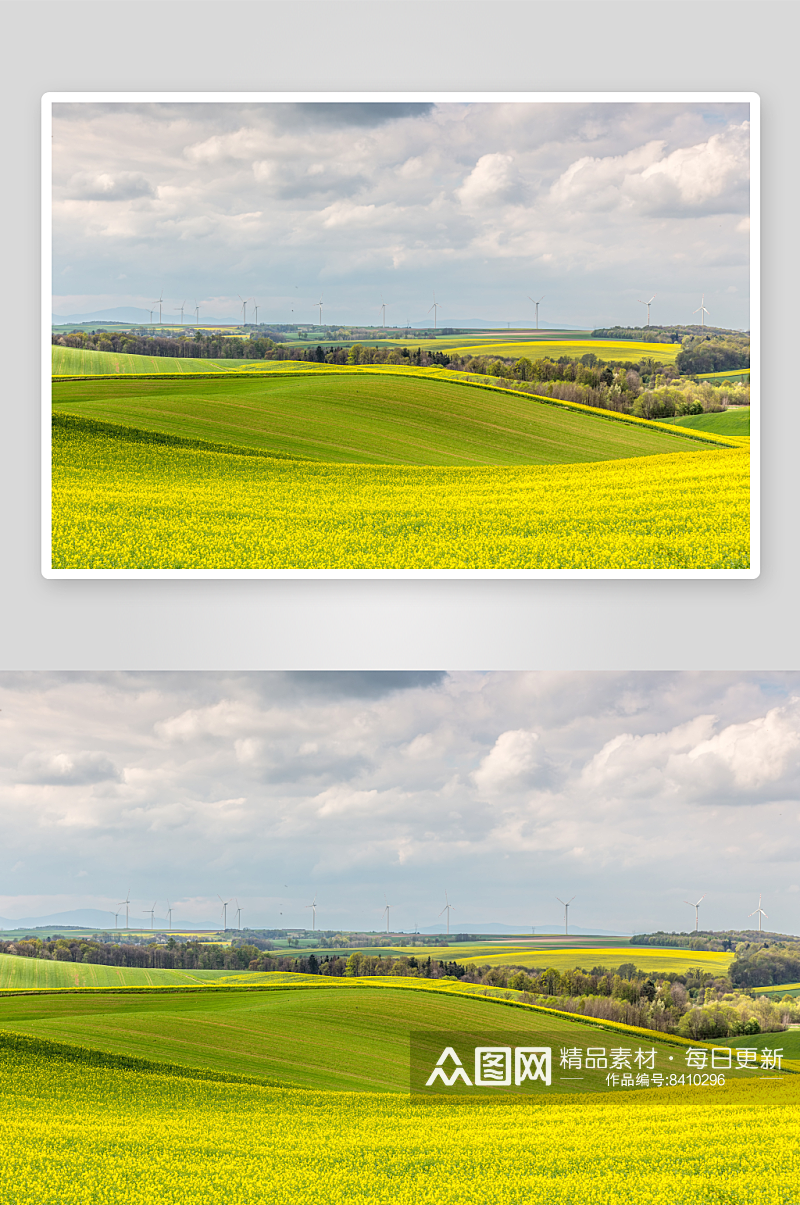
358,964
765,964
170,955
210,346
696,1004
707,939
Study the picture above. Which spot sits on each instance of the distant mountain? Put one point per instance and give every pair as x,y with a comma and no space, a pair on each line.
491,928
83,917
120,313
130,314
480,324
91,918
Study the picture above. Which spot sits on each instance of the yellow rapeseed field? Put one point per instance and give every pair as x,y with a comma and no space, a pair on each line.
74,1134
121,504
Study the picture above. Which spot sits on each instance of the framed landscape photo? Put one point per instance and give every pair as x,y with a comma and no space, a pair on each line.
400,334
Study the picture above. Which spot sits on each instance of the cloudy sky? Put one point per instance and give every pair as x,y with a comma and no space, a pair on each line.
633,792
592,206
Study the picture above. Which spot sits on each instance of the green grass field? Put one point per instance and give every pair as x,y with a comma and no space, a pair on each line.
787,1040
735,421
353,1036
366,417
18,972
73,361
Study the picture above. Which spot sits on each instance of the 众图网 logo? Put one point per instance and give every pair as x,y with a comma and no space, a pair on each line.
493,1067
451,1063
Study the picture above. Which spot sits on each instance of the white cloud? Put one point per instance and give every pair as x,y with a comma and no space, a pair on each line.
493,180
710,176
107,186
67,768
505,788
338,800
699,175
756,753
695,760
512,761
280,201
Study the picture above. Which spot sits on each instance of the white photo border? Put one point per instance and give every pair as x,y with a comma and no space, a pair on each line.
751,98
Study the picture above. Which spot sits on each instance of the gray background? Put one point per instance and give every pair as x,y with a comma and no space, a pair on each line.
371,44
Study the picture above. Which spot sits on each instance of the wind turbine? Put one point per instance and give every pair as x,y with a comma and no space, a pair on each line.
238,916
151,913
697,911
386,913
537,304
224,911
169,913
760,912
648,304
151,317
566,914
320,304
183,303
158,303
116,918
196,313
313,907
126,902
701,310
383,307
244,307
435,307
256,308
446,909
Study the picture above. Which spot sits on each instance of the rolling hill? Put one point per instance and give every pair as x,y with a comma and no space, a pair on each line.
367,416
346,1035
735,421
74,361
17,973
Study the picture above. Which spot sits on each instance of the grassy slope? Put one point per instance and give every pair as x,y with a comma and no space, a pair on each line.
73,361
729,422
349,1037
18,972
366,418
787,1040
